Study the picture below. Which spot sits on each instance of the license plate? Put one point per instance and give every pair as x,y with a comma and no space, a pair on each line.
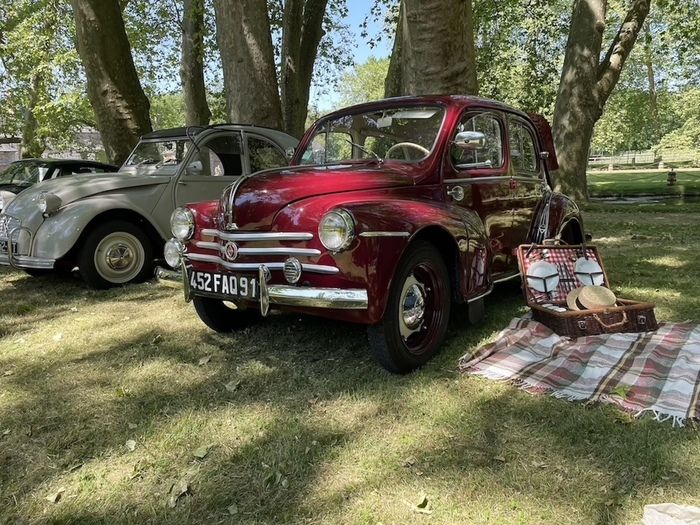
224,284
3,247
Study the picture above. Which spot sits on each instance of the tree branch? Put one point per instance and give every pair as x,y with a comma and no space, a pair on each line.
610,68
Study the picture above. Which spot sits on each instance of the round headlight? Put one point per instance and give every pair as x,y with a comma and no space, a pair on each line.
173,253
48,203
182,224
336,230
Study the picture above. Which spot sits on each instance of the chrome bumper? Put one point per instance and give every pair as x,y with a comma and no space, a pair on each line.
23,261
283,295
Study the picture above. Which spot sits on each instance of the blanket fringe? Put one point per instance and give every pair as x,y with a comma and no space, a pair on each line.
523,384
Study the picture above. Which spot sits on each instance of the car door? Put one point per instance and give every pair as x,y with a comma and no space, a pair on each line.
478,179
217,162
526,171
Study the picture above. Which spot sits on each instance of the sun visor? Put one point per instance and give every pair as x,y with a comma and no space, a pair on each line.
545,131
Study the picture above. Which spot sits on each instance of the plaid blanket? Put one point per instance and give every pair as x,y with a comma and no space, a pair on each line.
653,372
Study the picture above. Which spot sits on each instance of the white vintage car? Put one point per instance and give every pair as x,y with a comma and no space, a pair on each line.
113,226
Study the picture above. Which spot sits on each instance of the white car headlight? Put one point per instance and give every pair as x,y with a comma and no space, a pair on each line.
182,224
336,230
173,253
48,203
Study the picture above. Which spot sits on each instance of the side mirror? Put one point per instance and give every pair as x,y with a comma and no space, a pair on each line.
289,152
470,140
194,168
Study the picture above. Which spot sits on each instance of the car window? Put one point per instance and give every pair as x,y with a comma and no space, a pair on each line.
490,155
523,154
218,157
24,173
328,147
264,155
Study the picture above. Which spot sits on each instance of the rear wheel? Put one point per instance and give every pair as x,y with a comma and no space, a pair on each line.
417,312
222,316
116,253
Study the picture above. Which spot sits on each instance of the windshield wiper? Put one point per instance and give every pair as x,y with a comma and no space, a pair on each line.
368,151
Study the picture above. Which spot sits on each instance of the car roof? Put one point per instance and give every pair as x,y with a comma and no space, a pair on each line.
64,162
275,134
460,101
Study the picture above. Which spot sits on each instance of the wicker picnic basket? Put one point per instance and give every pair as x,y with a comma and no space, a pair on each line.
625,316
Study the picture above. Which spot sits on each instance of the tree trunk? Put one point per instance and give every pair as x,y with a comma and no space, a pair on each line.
651,78
301,34
586,84
435,53
250,81
113,87
192,64
31,147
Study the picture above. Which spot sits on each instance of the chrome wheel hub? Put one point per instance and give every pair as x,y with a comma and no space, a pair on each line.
119,256
411,307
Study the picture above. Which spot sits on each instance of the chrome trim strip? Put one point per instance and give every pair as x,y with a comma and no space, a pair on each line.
215,259
259,251
480,296
384,234
499,178
272,236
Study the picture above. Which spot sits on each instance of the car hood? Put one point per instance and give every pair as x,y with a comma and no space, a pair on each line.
75,187
260,197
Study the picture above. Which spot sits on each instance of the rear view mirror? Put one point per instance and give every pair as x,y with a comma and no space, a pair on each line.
470,140
194,168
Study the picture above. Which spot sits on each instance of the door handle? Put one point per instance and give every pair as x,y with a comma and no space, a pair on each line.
456,192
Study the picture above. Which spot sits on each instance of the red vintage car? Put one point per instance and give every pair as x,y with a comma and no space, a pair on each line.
389,213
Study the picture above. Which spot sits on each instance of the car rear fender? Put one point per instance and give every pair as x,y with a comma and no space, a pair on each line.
561,218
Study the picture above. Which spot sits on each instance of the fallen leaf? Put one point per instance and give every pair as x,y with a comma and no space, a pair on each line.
178,490
8,373
130,444
500,458
232,509
58,336
622,391
73,309
56,496
132,426
422,502
409,462
6,432
232,386
201,452
204,360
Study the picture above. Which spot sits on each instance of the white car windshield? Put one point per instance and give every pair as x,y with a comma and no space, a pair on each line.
405,134
166,152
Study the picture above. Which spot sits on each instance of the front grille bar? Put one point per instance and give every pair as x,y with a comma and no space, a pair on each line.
271,236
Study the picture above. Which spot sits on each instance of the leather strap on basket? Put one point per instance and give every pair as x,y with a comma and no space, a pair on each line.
612,326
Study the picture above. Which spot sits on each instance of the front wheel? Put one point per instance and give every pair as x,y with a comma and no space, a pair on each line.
417,313
116,253
222,317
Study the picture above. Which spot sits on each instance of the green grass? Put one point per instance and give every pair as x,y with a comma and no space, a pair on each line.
311,430
635,183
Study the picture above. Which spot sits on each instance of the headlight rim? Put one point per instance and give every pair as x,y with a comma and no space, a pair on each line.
349,222
190,223
179,247
48,203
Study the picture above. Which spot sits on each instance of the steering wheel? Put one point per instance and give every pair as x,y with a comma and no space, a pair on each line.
403,146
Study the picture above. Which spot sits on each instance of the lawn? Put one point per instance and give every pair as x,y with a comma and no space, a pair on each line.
650,183
107,399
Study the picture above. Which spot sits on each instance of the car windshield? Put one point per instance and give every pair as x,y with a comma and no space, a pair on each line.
24,173
405,134
170,152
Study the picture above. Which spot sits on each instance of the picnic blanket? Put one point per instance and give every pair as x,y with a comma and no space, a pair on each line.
651,372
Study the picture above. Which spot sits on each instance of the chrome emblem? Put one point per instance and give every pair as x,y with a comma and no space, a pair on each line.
231,251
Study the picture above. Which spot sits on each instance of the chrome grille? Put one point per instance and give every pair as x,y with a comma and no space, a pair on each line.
218,249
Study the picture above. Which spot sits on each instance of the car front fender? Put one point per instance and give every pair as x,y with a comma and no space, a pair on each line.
59,233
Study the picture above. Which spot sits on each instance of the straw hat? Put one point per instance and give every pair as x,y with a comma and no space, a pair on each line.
590,297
